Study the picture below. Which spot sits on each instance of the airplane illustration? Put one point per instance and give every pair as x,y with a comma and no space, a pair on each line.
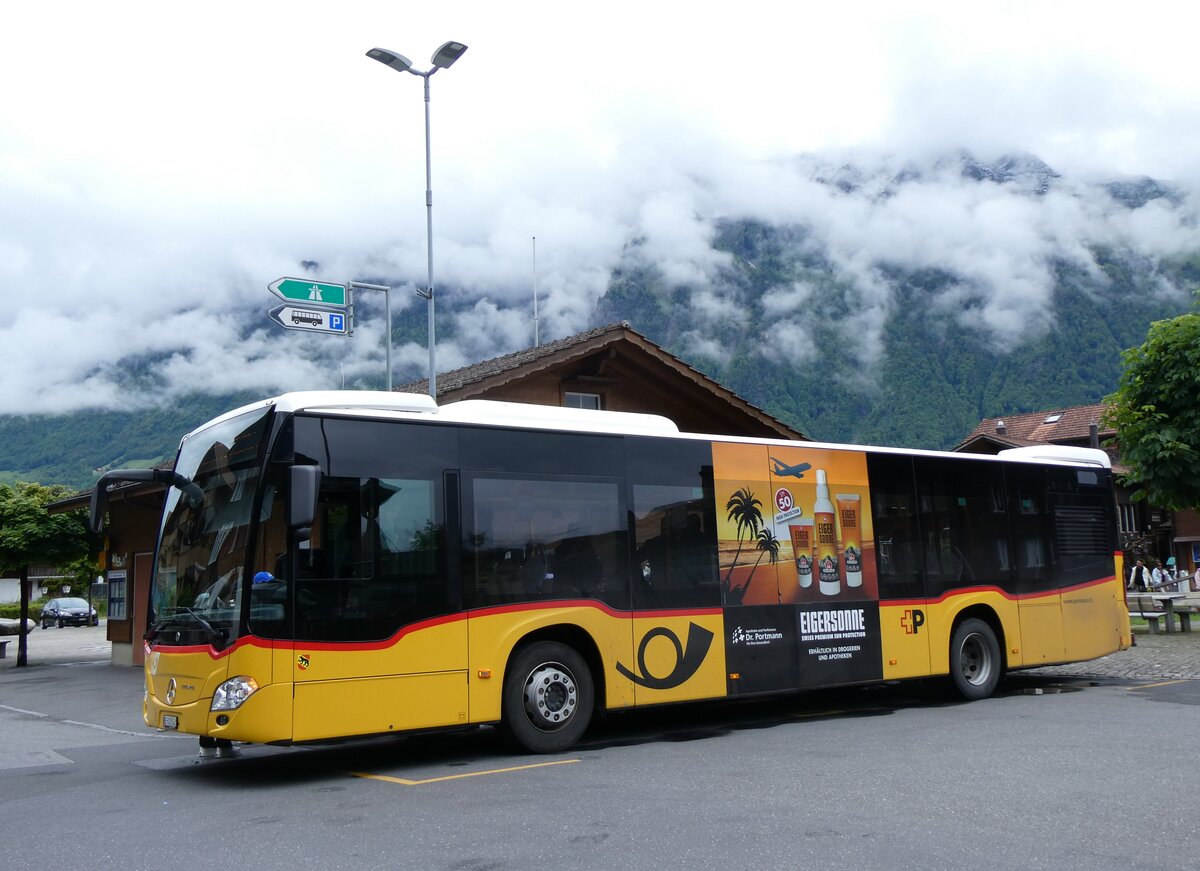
783,470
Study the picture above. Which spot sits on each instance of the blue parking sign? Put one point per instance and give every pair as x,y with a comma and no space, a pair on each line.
337,323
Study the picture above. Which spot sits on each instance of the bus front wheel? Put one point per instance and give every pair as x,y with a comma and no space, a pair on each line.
974,659
548,697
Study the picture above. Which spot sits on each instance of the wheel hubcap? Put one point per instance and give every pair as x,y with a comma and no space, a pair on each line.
550,696
975,660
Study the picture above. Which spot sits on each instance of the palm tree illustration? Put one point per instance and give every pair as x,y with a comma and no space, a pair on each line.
768,545
746,512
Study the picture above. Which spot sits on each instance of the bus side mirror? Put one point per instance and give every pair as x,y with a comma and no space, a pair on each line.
306,484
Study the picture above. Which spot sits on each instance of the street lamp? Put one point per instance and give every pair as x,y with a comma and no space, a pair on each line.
442,59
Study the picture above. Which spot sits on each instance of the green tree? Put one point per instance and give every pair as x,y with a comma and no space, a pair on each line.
30,535
1156,414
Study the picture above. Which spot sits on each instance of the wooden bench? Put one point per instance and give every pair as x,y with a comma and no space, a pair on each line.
1141,605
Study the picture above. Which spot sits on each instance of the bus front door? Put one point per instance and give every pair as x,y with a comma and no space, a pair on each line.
380,640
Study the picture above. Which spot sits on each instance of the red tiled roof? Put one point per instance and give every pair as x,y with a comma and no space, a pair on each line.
1065,425
1062,425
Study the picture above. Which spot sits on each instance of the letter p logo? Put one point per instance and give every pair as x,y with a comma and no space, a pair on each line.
912,621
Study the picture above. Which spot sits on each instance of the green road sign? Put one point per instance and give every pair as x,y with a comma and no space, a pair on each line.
309,292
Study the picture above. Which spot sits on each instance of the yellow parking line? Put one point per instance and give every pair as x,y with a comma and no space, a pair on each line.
406,782
810,714
1165,683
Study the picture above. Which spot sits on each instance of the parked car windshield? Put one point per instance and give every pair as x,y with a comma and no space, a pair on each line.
202,548
72,603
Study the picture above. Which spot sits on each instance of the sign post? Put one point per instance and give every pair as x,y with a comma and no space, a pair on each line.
325,307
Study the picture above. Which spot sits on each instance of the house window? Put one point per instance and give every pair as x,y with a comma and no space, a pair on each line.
1128,517
582,400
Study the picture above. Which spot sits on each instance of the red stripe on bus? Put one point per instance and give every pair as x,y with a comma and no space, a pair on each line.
1027,597
560,604
599,606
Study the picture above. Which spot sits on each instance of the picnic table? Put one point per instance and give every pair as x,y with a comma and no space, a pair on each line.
1153,606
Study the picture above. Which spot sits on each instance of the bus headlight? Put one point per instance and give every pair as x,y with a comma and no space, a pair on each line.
230,695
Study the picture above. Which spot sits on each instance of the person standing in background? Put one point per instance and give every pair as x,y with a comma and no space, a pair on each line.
1138,576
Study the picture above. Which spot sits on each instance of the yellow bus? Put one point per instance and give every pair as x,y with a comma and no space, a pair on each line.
336,564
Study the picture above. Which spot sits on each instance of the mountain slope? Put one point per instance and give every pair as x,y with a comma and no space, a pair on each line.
895,303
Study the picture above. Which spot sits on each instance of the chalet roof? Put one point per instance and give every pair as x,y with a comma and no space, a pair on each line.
1065,425
1057,426
515,364
475,380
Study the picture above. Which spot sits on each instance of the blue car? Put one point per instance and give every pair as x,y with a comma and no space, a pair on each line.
69,612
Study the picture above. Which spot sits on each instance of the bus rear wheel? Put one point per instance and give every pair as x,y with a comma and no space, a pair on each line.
975,659
548,697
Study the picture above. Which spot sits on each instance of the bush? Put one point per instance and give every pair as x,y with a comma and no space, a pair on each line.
12,610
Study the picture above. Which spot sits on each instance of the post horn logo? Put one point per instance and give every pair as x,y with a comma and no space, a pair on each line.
686,661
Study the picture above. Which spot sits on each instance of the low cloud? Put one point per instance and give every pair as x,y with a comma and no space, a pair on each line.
112,294
136,245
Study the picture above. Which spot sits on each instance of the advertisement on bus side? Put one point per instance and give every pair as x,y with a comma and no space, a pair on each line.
797,566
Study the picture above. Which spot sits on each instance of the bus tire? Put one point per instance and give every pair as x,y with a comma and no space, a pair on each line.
548,697
974,659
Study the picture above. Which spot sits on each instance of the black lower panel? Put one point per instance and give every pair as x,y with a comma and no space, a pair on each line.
785,647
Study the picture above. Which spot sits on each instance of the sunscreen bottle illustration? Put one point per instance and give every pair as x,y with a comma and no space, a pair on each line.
850,535
802,550
826,567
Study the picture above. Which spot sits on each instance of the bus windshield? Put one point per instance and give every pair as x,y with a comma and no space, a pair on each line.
202,545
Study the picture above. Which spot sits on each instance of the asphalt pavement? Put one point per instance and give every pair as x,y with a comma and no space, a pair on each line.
893,777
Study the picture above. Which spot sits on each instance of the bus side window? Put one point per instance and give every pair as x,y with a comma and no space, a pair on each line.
964,536
894,516
673,522
542,537
675,559
268,587
1030,526
1084,535
375,561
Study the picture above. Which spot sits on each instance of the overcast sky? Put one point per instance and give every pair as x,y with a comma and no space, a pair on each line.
160,164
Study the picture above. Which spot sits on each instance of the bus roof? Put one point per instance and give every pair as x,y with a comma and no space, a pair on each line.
1060,454
487,412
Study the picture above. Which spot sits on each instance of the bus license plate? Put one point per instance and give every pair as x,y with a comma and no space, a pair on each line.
170,721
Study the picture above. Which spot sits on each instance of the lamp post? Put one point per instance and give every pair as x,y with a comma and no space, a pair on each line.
442,59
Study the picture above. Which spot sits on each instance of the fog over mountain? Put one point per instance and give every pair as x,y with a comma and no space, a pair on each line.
875,221
861,298
998,229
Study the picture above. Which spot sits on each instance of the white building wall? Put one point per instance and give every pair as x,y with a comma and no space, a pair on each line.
10,590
